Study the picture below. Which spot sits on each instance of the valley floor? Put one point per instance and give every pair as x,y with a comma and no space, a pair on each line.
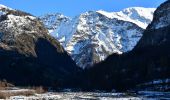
141,95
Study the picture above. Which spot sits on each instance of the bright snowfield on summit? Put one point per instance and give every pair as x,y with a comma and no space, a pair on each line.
119,53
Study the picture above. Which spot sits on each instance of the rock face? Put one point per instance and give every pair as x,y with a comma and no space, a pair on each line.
28,55
147,62
53,21
157,32
93,36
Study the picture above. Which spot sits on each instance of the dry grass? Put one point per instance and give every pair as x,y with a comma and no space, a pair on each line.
4,84
39,90
5,95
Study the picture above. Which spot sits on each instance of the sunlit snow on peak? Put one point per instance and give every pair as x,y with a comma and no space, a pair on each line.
94,35
138,15
4,7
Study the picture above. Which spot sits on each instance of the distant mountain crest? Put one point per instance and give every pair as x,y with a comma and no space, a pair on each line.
53,20
4,7
138,15
94,35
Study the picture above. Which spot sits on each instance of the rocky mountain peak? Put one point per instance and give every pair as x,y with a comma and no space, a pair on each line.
138,15
4,7
53,20
15,24
92,36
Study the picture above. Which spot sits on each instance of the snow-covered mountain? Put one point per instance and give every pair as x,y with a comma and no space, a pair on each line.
5,7
138,15
92,36
146,67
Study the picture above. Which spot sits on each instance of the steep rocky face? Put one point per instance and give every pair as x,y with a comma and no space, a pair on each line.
53,21
28,55
138,15
93,36
147,62
97,36
158,32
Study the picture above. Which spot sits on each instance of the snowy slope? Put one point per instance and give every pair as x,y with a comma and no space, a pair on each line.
52,21
5,7
2,8
138,15
92,36
14,21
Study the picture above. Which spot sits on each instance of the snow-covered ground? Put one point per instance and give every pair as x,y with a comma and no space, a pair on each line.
142,95
77,96
67,94
155,85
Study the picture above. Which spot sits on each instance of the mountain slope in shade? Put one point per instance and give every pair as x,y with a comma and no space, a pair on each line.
28,55
149,61
157,31
93,36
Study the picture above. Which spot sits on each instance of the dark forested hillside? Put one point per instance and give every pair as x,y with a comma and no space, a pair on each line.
149,60
28,55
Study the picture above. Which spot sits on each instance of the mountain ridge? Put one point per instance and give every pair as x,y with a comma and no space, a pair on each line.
98,33
133,14
29,56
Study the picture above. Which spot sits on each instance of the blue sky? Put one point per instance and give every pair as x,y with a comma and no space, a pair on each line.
75,7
